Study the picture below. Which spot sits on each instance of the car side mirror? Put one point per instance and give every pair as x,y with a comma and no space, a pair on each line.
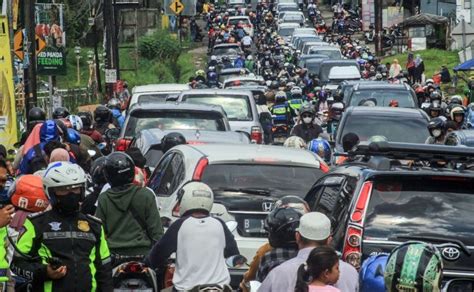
458,285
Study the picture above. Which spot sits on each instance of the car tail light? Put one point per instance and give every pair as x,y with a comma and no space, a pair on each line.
256,135
122,144
352,251
200,167
195,143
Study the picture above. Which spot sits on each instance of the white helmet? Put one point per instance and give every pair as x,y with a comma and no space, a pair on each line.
429,81
295,142
76,122
213,58
195,196
249,57
63,174
296,90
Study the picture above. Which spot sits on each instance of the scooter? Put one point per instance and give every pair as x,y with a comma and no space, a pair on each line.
134,276
280,133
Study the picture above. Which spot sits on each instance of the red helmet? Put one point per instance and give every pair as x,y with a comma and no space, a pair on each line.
27,193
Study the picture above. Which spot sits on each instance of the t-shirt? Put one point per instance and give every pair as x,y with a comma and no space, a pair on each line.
326,288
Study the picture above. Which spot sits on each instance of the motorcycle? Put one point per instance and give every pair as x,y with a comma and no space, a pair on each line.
134,276
280,133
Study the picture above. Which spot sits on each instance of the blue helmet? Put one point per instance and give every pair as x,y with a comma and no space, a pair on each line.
371,276
73,136
49,131
322,148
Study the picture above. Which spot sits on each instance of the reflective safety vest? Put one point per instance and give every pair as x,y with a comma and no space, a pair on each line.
280,112
295,103
4,266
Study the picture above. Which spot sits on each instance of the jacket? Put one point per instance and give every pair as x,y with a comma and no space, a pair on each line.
78,241
124,231
306,132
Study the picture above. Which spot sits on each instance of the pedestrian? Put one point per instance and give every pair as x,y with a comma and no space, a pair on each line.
314,231
445,75
411,68
395,69
419,69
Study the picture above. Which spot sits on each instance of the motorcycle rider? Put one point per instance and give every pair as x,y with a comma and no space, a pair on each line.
71,253
36,115
322,148
115,108
239,62
296,99
458,115
129,213
195,231
226,63
171,140
281,111
60,113
372,272
88,127
103,119
212,80
250,64
306,128
295,142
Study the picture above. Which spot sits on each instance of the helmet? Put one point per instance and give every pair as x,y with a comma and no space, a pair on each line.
337,109
60,112
102,114
73,136
435,95
249,57
296,91
321,147
428,81
293,202
62,174
200,73
456,111
195,196
274,84
27,193
421,264
378,76
36,115
172,139
377,138
456,99
436,127
76,122
280,96
295,142
371,274
307,108
213,58
435,106
281,225
86,118
119,169
114,103
97,172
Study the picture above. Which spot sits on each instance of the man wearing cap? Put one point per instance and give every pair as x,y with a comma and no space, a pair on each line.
314,231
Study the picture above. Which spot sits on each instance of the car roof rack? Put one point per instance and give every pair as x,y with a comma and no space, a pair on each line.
416,152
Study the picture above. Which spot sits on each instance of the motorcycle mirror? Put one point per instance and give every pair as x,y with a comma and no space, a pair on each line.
236,261
459,285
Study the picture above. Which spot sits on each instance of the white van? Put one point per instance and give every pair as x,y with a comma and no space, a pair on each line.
155,93
338,74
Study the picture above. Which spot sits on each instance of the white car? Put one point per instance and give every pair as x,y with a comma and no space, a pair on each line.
246,179
248,26
153,93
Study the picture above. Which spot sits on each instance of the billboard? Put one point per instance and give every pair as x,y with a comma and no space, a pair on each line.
50,29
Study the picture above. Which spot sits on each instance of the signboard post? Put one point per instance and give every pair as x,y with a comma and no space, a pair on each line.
110,75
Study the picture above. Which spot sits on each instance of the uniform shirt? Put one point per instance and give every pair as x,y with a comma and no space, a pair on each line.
201,246
283,277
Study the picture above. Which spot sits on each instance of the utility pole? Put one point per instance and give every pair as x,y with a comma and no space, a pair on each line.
30,72
109,45
378,27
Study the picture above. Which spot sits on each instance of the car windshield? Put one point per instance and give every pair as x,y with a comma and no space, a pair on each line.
237,107
152,97
281,180
292,18
382,97
394,128
222,51
285,8
421,205
234,21
326,68
173,120
286,31
332,54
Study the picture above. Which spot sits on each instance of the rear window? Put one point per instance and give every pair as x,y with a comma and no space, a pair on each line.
237,107
280,180
382,97
326,68
152,97
423,205
226,51
173,120
287,31
332,54
237,20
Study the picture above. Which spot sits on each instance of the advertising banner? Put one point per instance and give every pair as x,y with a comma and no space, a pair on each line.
8,123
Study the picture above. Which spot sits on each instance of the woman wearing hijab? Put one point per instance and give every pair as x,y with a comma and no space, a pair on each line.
419,68
395,69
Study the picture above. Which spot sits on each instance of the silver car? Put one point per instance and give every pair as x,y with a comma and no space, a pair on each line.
239,105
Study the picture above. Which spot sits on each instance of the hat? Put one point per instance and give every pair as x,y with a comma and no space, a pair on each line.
314,226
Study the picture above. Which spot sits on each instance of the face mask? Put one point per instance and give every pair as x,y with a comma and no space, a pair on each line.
307,120
68,204
436,133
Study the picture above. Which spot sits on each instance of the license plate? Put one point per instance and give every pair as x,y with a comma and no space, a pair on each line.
279,140
254,225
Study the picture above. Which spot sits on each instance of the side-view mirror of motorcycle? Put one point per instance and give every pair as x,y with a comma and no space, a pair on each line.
236,261
458,285
112,134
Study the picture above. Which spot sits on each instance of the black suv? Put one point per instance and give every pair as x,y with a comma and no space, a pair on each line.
381,94
390,194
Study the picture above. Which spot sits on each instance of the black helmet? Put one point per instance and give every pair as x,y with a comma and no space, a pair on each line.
36,115
435,106
102,114
435,95
60,113
436,123
274,85
170,140
97,172
307,108
281,225
119,169
86,118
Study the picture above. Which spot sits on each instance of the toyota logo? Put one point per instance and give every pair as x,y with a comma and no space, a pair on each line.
267,206
451,253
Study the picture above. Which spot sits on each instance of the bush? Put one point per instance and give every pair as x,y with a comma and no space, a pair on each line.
160,45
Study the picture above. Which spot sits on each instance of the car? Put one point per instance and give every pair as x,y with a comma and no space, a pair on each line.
226,50
287,7
313,65
404,125
239,105
171,116
224,74
244,81
308,45
305,30
294,17
246,180
301,41
334,53
377,204
286,29
155,92
345,87
460,138
308,37
248,26
234,4
339,74
326,66
382,94
149,141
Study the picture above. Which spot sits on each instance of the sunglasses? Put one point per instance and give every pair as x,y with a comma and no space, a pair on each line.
307,116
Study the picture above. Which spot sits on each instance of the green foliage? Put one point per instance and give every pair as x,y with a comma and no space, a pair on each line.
160,45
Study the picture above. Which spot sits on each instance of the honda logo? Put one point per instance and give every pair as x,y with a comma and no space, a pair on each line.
450,253
267,206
